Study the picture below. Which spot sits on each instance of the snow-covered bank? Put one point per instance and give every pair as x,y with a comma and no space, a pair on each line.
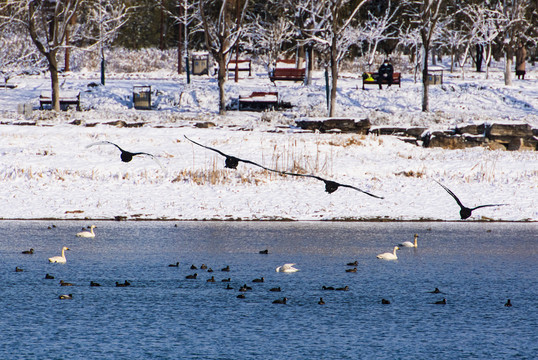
46,171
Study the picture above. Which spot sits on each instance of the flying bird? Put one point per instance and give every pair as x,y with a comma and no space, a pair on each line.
231,162
465,212
125,155
330,186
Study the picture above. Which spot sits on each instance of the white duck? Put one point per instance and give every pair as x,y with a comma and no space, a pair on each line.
59,259
287,268
388,255
87,234
409,243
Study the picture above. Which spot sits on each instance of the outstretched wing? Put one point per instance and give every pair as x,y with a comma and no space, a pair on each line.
230,156
104,143
481,206
207,147
329,184
451,194
362,191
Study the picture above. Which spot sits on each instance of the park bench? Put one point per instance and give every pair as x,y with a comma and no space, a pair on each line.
372,80
259,101
67,98
285,70
241,65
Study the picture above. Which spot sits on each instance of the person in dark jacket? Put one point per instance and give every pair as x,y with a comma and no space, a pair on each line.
385,73
521,54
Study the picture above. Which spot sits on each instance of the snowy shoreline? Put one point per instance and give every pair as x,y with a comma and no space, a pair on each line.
46,172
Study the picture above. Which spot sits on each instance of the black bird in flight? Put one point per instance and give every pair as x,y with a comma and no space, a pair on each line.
231,162
331,186
125,155
465,212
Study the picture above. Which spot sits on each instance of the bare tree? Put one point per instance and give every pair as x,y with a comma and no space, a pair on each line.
222,31
183,18
425,14
47,23
377,29
329,27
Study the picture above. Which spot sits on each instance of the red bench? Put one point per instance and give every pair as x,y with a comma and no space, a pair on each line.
286,70
396,79
259,101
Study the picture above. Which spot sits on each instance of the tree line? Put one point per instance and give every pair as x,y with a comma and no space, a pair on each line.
322,33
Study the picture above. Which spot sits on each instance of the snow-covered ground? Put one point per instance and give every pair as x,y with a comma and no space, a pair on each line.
46,171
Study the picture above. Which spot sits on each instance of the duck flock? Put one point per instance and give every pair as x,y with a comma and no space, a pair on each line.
225,278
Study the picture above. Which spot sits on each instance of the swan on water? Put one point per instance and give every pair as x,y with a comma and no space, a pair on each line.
388,255
287,268
87,234
409,243
59,259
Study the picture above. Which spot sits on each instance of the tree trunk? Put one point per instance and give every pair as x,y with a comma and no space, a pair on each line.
334,80
222,81
55,84
425,82
508,69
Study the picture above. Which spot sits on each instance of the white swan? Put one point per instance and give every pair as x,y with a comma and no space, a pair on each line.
288,268
409,243
389,256
87,234
59,259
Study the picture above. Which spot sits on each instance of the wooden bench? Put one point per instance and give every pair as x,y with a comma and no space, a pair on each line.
241,65
67,98
286,70
259,101
396,78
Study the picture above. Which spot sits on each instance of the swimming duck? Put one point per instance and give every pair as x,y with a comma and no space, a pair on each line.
354,263
508,303
63,283
327,287
59,259
174,265
227,268
264,252
193,267
226,280
409,243
275,289
385,301
29,252
281,301
203,267
260,280
345,288
193,276
287,268
440,302
65,297
241,296
48,276
125,284
435,291
354,270
321,302
228,287
212,279
389,256
87,234
92,283
18,269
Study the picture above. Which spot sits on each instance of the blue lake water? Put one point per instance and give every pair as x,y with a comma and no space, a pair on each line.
163,315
